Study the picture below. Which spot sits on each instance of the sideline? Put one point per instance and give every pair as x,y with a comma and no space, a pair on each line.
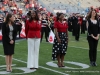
39,66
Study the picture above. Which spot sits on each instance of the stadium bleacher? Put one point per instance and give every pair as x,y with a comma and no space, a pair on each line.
69,5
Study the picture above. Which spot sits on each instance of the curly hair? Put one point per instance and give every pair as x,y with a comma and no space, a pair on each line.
36,17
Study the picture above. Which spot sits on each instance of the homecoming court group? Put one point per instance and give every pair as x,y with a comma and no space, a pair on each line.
36,25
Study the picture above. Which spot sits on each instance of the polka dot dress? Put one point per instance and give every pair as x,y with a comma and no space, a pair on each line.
59,48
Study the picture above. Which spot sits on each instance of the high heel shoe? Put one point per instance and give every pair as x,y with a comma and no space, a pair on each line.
10,69
59,65
62,65
7,69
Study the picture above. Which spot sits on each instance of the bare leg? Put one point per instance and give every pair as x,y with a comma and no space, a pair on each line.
62,60
59,61
7,62
10,62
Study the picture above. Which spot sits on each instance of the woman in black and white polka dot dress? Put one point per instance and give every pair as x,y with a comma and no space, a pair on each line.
61,40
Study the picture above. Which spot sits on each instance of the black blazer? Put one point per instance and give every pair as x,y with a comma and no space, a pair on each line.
93,28
5,33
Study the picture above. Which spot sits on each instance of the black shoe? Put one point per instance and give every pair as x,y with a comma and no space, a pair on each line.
36,68
77,40
47,41
94,63
31,68
91,63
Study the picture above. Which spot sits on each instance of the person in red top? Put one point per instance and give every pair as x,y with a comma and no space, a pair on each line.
33,35
61,40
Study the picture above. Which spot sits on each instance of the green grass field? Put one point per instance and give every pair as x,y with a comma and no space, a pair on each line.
76,52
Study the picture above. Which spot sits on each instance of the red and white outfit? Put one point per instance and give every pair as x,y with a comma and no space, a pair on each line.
33,35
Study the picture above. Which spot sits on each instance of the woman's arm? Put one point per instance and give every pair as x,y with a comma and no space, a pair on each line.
4,33
56,34
56,31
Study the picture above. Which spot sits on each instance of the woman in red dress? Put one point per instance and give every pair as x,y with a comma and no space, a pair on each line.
61,40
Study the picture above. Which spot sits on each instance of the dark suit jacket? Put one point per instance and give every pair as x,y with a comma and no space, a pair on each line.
93,28
5,33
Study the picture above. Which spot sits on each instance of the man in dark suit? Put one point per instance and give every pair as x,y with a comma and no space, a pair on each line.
74,24
69,24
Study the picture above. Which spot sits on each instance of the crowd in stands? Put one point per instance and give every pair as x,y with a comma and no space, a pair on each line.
9,6
14,6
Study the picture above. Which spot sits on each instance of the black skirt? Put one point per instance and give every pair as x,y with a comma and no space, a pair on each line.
8,48
60,48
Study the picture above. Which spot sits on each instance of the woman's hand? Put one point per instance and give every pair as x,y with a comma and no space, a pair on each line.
11,42
93,36
96,38
59,41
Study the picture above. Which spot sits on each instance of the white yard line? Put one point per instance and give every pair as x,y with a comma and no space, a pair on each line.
39,66
80,47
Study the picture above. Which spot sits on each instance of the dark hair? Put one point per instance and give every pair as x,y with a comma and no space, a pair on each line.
36,16
29,13
8,18
51,14
58,15
43,14
90,14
